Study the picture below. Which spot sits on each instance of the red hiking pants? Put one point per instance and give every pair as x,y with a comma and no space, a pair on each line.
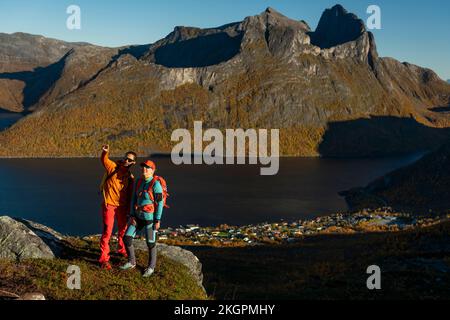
109,214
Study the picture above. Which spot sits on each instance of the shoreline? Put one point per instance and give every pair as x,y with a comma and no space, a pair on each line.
283,232
418,154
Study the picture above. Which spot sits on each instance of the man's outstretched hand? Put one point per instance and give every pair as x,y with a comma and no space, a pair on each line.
105,148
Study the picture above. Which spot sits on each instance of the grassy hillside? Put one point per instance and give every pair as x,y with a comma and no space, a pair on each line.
415,264
170,282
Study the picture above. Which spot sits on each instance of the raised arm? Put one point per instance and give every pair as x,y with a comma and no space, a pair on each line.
109,165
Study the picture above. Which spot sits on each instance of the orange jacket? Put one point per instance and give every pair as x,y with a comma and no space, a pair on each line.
117,190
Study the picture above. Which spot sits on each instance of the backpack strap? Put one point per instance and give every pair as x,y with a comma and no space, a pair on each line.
138,186
150,188
165,194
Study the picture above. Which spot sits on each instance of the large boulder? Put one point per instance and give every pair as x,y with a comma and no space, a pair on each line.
21,239
31,296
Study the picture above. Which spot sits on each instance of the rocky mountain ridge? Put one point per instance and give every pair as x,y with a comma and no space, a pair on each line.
268,71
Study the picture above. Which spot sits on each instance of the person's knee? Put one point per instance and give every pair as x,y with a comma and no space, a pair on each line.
107,232
128,241
131,231
151,245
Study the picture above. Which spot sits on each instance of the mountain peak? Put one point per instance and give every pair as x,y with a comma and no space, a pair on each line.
337,26
338,10
273,17
262,71
271,10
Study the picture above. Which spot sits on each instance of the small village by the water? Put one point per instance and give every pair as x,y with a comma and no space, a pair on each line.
292,232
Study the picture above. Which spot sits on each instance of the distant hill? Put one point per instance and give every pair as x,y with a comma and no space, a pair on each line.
35,70
422,186
327,90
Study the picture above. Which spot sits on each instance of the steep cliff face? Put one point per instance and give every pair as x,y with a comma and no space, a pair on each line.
267,71
336,27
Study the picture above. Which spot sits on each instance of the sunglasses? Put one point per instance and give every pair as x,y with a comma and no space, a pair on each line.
129,160
146,167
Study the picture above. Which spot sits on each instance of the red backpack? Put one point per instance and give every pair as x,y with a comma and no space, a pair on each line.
163,183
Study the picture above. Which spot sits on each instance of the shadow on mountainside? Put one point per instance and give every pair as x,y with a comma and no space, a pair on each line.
336,27
137,51
380,136
199,52
441,109
38,81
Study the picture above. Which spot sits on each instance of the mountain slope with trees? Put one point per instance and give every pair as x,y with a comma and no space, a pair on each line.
267,71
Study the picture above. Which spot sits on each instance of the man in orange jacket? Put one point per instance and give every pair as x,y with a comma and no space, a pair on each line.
117,189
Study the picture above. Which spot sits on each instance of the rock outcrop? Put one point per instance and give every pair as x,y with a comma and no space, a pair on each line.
267,71
180,255
30,296
33,296
21,239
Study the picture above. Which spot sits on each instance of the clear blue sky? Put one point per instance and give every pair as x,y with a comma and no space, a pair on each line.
413,31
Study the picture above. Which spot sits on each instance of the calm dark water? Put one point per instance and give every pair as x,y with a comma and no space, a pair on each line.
8,119
62,193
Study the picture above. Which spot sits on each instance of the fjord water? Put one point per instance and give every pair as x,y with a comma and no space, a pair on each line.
7,119
63,193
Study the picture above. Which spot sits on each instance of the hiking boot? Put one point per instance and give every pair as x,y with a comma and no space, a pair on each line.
128,266
148,273
106,266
